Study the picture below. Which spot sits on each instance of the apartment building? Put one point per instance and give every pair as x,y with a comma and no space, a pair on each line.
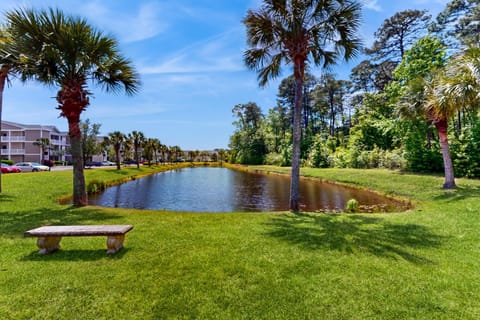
17,142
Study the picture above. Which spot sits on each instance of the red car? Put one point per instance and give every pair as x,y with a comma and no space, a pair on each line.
14,168
9,169
5,168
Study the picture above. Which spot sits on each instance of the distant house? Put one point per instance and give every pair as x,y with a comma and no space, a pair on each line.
17,142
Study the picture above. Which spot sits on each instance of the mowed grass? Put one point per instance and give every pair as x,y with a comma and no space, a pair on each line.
420,264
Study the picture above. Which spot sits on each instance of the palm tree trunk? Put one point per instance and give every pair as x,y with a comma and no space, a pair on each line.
117,156
442,126
3,78
79,190
297,136
136,157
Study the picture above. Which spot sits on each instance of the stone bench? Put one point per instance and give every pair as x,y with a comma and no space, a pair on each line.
49,236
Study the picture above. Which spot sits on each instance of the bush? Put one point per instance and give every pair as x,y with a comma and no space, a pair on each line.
274,159
95,186
466,152
352,205
9,162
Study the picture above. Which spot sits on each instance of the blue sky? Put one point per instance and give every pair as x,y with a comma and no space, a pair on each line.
189,55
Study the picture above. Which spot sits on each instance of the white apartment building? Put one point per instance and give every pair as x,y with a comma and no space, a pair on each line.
17,142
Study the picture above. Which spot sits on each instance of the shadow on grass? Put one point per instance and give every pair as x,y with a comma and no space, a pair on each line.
6,198
75,255
16,223
354,233
460,193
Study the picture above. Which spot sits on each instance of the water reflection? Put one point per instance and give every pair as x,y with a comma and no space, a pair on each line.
224,190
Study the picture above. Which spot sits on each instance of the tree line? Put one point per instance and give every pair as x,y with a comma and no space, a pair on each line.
136,148
412,104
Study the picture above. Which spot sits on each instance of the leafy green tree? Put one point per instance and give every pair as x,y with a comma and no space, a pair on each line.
247,143
66,51
90,143
138,139
299,32
222,154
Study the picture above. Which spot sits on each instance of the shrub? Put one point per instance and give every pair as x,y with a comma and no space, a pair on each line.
9,162
274,159
352,205
95,186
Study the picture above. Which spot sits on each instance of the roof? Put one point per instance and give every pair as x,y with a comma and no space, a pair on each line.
20,126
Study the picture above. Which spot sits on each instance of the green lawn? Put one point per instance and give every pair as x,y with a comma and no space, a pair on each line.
421,264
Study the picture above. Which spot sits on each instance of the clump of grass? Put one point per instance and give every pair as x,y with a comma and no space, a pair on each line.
352,205
95,186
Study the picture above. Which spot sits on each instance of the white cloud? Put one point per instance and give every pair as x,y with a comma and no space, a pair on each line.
372,5
143,23
215,54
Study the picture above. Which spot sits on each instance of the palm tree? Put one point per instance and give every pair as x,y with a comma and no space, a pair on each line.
127,148
156,146
457,88
163,149
151,146
66,51
138,139
116,140
298,32
43,144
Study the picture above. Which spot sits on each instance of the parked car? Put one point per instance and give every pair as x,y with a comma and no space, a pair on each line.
14,169
5,168
93,164
108,163
32,166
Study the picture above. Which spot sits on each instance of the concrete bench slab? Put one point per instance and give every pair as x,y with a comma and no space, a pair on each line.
49,236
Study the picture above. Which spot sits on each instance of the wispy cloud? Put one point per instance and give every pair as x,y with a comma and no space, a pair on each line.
433,2
214,54
372,5
142,23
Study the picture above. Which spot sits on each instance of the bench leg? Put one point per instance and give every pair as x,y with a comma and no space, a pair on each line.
48,244
114,243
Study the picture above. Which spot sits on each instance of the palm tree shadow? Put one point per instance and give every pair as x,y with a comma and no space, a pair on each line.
460,193
355,233
6,198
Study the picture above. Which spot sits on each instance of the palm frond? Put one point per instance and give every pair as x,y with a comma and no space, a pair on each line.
56,48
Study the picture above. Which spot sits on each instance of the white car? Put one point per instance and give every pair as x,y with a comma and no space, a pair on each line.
32,167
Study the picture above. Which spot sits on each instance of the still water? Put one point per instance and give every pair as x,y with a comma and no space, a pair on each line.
209,189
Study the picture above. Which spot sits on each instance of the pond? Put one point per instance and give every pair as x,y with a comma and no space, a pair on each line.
217,189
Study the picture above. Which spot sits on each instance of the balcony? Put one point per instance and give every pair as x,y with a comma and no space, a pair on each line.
12,151
13,139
